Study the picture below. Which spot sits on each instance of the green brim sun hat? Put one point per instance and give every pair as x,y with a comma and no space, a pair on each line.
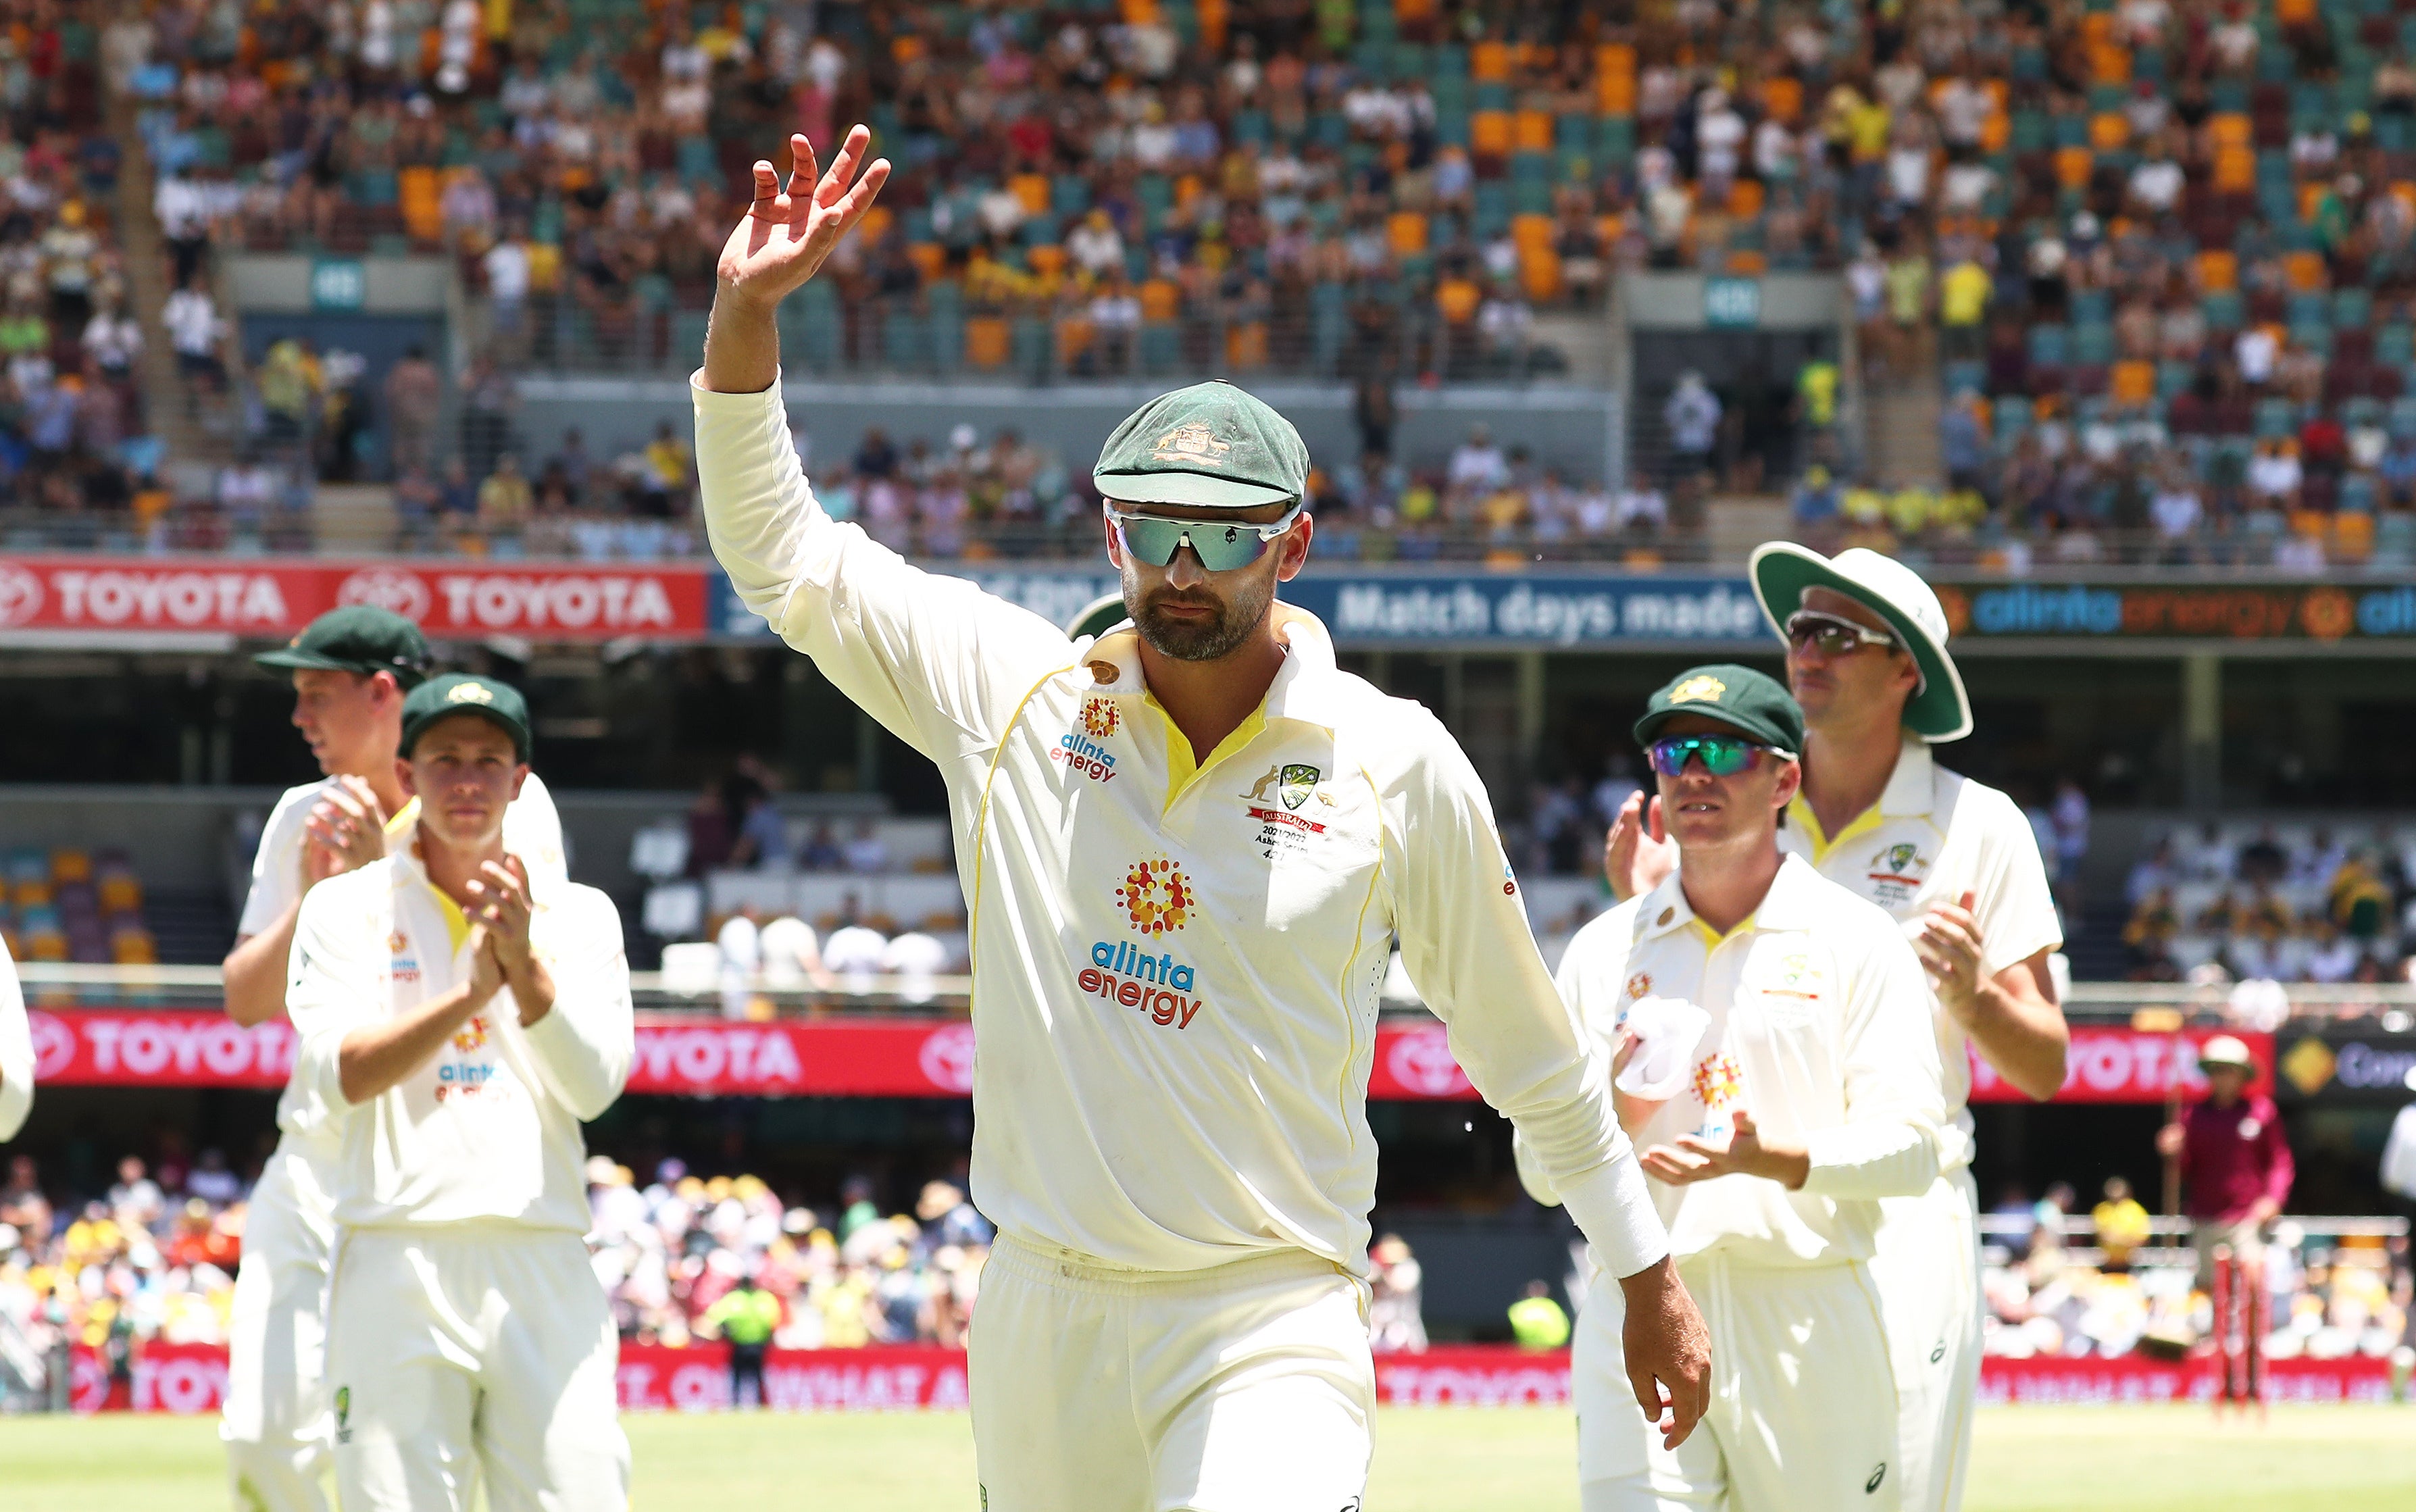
357,637
1099,616
1939,710
1212,444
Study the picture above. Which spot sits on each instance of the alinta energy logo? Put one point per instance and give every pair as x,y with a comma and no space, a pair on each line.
1157,900
1079,750
1156,895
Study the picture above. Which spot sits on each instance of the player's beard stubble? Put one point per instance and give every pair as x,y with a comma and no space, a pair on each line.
1199,637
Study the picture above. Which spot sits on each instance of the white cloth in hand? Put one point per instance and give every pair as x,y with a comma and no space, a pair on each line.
1667,1031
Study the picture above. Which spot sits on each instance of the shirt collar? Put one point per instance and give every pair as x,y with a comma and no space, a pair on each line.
1912,787
1788,904
1304,688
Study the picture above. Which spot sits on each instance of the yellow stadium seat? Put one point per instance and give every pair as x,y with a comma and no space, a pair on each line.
1245,345
1049,260
2235,170
986,342
2108,130
2071,165
2352,536
1488,63
1539,273
1531,131
2233,128
1530,230
2218,271
1783,96
1161,300
1615,94
2133,383
1407,230
1033,189
1074,333
2305,270
1745,198
1491,133
69,864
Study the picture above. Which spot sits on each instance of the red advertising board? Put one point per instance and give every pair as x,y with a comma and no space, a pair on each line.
681,1056
191,1377
2123,1065
272,598
902,1058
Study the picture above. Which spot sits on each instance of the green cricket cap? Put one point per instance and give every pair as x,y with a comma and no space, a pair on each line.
360,638
1754,703
459,692
1211,444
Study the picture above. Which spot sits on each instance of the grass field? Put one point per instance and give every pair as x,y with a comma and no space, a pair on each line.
1428,1459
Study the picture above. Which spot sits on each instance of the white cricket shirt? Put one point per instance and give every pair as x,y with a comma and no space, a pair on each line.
1177,963
532,831
488,1130
1934,835
15,1052
1817,1004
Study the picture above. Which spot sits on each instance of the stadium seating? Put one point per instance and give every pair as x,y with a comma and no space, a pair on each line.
72,905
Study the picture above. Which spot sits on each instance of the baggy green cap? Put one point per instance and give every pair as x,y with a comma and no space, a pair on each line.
462,693
1754,703
1211,444
360,638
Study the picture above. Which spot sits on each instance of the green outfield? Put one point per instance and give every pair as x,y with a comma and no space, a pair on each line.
1428,1459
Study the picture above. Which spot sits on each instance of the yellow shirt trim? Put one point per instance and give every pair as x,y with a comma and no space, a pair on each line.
1800,813
403,818
457,924
1713,939
1182,767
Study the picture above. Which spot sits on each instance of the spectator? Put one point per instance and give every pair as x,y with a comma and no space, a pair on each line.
762,840
854,954
1536,1320
415,394
747,1316
1477,465
1396,1315
821,852
2235,1164
2122,1226
1692,415
191,318
868,852
505,500
670,474
1641,507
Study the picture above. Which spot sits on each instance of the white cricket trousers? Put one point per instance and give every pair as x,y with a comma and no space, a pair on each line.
274,1420
1245,1388
482,1353
1804,1405
1927,1269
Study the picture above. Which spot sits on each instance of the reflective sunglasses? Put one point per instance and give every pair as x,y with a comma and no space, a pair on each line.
1834,635
1221,548
1721,755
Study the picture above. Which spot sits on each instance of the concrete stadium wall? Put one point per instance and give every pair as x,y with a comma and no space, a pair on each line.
1575,429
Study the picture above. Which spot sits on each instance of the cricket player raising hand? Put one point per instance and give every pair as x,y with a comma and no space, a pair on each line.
1188,845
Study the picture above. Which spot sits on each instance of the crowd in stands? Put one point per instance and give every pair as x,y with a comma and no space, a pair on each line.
2157,254
77,465
154,1257
151,1257
2290,904
2078,1286
2160,255
846,1277
74,905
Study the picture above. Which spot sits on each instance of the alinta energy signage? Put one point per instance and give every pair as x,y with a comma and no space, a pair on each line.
2322,611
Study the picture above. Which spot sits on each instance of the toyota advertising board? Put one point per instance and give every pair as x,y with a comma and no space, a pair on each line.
273,598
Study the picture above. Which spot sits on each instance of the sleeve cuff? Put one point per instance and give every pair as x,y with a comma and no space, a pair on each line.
1867,1161
1613,1208
714,398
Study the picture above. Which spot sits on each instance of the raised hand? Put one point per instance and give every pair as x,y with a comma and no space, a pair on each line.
1637,852
785,234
